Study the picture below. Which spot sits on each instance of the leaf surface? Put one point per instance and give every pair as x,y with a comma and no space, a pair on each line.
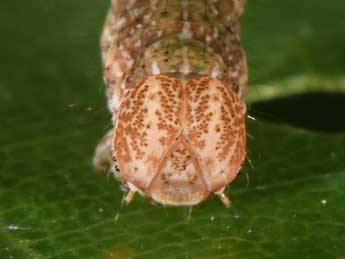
53,112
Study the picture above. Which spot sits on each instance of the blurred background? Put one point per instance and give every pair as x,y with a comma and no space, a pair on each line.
53,112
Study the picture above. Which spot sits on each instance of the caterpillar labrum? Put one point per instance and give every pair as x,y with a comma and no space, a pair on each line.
176,76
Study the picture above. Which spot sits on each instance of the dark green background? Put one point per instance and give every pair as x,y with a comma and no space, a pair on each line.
52,204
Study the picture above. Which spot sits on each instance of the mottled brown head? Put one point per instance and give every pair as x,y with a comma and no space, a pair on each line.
180,142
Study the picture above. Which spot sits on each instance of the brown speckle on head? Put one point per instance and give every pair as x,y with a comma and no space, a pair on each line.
146,126
194,131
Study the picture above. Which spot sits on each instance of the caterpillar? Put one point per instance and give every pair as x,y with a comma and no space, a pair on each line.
176,76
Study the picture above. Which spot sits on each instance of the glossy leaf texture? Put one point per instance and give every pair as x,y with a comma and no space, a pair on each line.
53,112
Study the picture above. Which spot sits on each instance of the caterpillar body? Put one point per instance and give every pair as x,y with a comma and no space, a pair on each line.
176,76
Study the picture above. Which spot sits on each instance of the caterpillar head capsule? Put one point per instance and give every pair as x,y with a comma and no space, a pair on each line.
177,142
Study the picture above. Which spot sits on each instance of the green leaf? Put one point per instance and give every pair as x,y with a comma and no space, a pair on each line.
53,112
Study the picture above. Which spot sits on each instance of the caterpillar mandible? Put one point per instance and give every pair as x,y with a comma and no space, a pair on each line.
176,76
